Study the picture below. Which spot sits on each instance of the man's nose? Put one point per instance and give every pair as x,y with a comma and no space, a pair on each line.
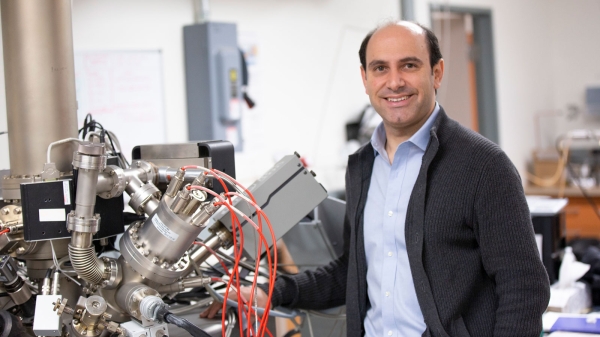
395,81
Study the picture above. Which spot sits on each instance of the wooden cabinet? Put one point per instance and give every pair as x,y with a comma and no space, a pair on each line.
580,216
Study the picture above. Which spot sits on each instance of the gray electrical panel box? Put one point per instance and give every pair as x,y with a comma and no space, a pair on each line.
213,82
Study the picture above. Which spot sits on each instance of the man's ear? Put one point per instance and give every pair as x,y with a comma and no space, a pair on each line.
438,74
363,74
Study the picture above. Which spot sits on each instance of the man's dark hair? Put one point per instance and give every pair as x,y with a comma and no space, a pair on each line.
435,55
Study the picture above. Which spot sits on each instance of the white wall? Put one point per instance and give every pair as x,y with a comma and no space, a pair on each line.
575,45
309,84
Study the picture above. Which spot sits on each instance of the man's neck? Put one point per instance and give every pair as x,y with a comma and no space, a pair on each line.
396,136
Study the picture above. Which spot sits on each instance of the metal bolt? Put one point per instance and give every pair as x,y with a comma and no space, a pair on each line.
165,265
146,252
155,260
5,211
95,304
20,250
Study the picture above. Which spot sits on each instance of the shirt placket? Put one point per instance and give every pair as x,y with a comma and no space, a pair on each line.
390,221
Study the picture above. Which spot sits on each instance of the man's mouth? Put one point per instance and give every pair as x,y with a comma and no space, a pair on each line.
399,99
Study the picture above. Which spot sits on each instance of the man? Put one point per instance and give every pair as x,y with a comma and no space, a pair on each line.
438,235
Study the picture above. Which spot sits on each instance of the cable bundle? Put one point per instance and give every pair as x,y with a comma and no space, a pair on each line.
234,277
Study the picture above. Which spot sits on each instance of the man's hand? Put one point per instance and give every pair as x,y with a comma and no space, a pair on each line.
260,297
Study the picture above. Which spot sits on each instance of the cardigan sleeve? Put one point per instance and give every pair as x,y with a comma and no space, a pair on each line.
509,252
322,288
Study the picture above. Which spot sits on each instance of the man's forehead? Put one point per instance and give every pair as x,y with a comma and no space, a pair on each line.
388,38
402,26
416,29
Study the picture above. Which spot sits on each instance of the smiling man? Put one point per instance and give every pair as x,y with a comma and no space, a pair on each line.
438,239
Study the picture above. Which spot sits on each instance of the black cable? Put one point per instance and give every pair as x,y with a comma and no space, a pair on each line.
49,273
3,132
181,322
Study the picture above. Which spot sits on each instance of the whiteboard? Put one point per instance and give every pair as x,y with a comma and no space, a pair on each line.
123,90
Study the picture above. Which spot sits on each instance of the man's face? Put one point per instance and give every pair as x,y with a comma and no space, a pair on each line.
399,79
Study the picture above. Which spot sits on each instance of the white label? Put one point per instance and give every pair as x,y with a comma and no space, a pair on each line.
163,229
66,192
52,214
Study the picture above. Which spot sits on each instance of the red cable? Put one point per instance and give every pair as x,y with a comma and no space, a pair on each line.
272,268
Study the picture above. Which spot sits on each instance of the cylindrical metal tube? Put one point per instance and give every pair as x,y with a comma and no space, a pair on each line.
46,286
180,201
142,195
150,206
175,183
56,283
81,240
95,306
105,183
18,291
86,192
199,219
213,242
165,174
40,82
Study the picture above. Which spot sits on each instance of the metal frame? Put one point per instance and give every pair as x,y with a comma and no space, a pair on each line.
485,70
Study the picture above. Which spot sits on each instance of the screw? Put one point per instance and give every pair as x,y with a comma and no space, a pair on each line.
96,304
5,211
155,260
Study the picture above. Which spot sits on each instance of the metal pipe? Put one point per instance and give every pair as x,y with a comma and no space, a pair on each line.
40,82
86,192
90,159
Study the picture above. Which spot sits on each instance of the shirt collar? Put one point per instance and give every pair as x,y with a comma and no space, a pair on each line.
420,138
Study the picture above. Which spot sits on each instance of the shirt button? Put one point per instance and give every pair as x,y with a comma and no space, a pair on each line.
390,333
389,253
387,294
390,213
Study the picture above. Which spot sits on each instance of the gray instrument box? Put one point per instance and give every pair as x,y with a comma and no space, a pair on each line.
286,193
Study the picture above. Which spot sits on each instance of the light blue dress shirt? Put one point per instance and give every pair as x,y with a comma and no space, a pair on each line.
394,307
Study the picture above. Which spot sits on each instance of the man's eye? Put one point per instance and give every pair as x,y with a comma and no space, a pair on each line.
410,65
379,68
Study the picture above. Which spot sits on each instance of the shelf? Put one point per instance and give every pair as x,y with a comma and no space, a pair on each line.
570,191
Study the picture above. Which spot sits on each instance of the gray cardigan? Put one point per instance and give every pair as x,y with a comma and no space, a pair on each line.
470,244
